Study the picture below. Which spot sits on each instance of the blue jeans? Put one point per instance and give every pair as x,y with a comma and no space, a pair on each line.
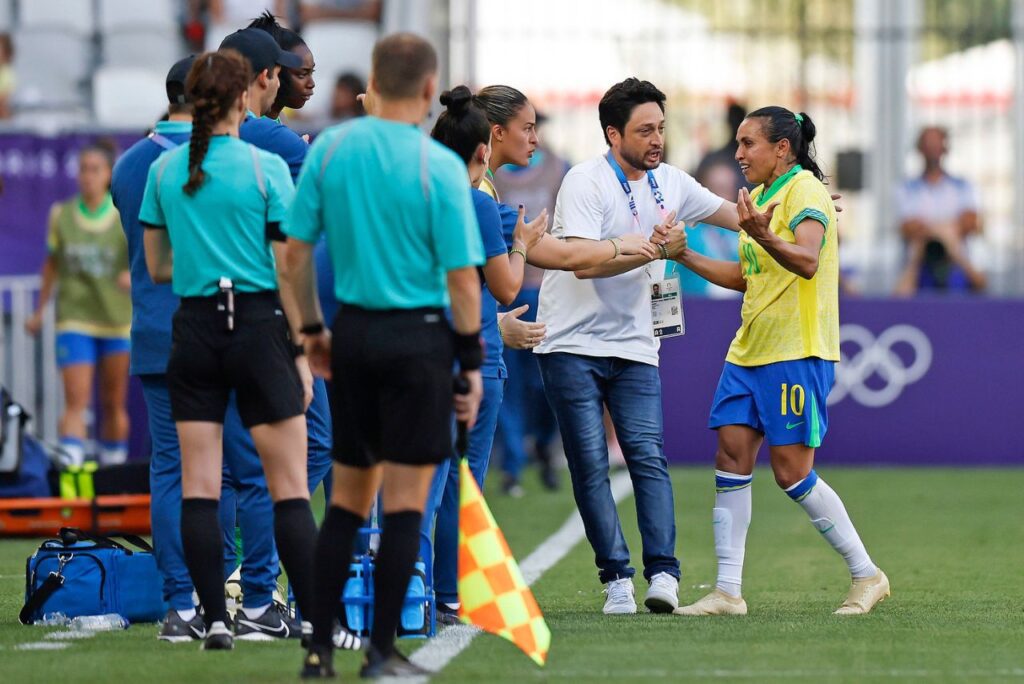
578,388
446,531
524,410
260,567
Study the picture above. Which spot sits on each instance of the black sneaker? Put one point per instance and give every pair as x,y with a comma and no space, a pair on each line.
447,616
510,487
218,638
275,623
318,664
548,473
393,665
176,630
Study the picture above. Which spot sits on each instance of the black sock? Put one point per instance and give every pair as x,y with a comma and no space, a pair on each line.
399,547
330,569
295,535
203,546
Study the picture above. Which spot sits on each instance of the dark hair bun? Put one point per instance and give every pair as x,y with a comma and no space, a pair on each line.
457,99
807,128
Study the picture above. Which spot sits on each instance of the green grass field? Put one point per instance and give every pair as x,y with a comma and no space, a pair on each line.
951,542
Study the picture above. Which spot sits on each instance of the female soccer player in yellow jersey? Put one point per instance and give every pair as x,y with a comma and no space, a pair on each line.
780,366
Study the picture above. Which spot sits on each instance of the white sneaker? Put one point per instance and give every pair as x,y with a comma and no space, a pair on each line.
663,594
865,594
620,599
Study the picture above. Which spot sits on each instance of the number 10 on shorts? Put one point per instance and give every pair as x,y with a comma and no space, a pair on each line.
792,399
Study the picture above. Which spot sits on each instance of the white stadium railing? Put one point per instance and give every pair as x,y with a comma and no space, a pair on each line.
28,365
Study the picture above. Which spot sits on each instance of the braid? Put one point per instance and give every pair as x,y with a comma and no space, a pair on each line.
202,128
214,84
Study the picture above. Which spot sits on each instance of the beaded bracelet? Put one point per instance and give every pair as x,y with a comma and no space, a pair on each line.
664,251
516,250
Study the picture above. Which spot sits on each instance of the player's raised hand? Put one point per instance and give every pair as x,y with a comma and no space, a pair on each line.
530,233
755,223
660,234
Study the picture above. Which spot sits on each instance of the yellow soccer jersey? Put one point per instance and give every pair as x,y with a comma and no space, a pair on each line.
487,185
784,316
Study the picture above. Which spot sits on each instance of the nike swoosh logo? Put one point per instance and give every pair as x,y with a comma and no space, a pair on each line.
281,629
790,426
200,633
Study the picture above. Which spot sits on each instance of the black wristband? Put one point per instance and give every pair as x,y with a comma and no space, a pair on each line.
468,351
298,350
312,328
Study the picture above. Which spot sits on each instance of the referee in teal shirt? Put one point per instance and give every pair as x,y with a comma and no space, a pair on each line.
404,244
212,213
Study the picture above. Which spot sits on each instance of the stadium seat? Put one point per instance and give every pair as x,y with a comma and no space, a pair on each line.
51,66
155,15
337,47
129,96
149,49
74,16
6,15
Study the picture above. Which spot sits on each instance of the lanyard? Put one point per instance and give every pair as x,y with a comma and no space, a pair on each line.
162,141
624,183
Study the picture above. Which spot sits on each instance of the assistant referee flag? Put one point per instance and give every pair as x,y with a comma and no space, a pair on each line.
492,591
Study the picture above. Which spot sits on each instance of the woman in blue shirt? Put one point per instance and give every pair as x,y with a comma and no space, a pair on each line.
464,128
217,204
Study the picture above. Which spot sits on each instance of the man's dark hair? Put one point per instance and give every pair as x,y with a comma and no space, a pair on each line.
734,116
618,103
401,63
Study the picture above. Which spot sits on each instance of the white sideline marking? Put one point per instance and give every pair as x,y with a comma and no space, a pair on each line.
42,646
448,644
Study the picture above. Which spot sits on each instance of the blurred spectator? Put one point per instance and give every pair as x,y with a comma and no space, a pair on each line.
7,80
320,10
344,104
937,212
525,415
725,155
87,264
223,17
711,241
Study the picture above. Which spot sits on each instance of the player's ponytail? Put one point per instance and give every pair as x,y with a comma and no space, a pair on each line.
462,126
214,84
781,123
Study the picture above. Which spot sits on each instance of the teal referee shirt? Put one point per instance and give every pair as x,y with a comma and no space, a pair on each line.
222,229
397,210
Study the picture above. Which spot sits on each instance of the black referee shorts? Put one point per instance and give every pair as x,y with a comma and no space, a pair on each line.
391,387
208,361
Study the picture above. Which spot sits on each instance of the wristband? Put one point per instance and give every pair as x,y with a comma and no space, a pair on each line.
312,328
516,250
468,351
664,251
298,350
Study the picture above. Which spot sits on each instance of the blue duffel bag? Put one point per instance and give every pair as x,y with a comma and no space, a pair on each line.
84,574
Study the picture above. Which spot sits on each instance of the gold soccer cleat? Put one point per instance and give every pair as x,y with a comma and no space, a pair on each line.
864,594
715,603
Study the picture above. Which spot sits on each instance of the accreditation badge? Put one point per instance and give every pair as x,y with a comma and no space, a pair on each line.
667,307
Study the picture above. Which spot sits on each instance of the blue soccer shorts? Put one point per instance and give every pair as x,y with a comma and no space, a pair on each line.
75,347
785,401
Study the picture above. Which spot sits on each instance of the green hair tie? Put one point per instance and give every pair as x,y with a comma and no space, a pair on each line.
799,118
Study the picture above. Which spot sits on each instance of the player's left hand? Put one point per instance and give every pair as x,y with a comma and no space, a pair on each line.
660,234
318,351
756,224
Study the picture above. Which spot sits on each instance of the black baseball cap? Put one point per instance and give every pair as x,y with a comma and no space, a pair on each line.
260,49
176,80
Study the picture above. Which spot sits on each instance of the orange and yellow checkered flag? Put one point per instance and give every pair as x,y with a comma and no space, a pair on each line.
492,591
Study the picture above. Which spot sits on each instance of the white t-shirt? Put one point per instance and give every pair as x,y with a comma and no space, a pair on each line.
611,317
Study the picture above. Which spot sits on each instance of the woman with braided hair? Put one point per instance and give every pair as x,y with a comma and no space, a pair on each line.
216,206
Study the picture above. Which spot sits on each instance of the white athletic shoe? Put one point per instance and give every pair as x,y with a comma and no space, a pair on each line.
663,594
715,603
620,599
865,594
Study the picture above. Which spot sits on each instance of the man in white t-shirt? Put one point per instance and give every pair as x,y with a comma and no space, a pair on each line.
600,347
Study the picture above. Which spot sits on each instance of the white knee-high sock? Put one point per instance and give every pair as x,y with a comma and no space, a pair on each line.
829,516
730,520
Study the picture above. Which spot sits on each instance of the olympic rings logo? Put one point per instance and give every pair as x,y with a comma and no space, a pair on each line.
875,356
